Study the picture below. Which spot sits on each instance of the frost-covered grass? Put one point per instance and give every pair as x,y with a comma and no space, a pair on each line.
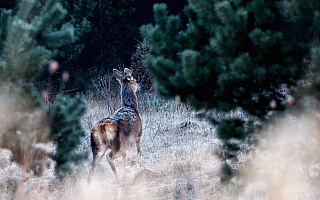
178,154
179,161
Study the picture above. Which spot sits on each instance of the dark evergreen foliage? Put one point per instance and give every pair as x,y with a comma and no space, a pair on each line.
27,39
66,132
106,34
234,56
139,68
226,172
71,57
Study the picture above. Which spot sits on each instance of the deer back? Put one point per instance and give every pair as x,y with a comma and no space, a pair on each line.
128,119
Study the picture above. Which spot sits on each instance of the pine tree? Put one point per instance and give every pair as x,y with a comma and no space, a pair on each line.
139,68
25,43
80,14
106,33
237,61
66,132
304,17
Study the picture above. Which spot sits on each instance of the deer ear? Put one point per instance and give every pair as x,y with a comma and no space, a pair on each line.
128,74
118,75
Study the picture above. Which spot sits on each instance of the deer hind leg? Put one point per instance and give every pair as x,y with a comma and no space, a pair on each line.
111,156
97,156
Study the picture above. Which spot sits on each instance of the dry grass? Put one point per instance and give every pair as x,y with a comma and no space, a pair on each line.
179,162
286,165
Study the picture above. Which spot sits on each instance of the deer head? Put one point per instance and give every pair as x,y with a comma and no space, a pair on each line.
126,78
129,87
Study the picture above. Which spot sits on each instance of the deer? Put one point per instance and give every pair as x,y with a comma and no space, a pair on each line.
120,131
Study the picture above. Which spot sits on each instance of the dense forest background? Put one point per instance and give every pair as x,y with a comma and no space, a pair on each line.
107,33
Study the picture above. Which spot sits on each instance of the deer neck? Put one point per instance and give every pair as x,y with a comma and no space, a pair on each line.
129,98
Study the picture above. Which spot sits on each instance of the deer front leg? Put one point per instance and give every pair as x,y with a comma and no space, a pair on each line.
138,149
138,152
